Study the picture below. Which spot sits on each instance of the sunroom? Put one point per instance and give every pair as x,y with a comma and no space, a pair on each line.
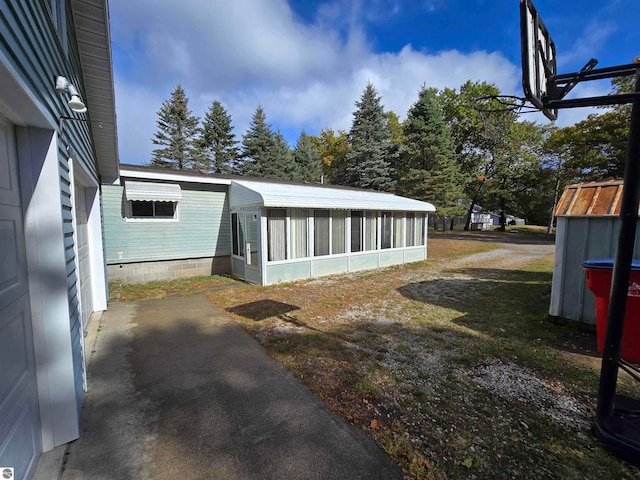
285,232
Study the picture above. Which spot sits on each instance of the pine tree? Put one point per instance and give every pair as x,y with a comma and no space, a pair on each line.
176,135
307,160
218,140
428,168
369,164
280,162
256,145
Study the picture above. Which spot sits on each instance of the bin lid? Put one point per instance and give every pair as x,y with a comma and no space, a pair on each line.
607,263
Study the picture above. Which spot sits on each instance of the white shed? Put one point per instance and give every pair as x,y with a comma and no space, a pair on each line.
284,232
588,223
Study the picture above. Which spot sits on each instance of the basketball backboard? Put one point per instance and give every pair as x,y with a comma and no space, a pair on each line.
538,59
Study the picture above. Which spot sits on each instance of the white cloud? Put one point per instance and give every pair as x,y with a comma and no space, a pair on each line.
245,53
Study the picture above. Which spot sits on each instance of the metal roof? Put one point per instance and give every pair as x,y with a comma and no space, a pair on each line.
91,19
591,199
271,194
152,192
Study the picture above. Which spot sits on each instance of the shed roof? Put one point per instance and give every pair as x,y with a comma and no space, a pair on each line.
246,193
592,199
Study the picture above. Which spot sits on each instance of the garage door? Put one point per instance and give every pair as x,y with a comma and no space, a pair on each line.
82,241
19,412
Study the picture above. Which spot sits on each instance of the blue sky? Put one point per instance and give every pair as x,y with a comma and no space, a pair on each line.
307,61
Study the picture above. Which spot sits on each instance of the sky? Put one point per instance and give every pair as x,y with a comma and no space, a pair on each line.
307,61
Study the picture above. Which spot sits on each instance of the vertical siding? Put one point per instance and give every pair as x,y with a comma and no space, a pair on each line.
202,230
584,238
38,53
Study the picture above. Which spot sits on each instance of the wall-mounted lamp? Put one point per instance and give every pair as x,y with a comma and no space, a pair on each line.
76,104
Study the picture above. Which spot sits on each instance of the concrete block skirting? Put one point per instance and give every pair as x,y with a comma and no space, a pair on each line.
162,270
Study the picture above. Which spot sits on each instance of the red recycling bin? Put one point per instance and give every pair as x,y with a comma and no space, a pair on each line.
599,272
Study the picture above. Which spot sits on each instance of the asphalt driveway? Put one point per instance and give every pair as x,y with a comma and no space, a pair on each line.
177,390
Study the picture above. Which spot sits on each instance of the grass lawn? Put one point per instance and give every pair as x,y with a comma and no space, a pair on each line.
451,364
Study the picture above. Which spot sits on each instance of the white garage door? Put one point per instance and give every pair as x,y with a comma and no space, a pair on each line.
20,442
84,265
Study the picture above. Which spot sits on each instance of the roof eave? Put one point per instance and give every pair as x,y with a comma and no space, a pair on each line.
91,18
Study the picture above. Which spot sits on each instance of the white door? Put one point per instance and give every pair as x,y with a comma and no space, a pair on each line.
84,265
251,228
20,442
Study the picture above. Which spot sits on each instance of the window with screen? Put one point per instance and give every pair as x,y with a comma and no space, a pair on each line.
320,232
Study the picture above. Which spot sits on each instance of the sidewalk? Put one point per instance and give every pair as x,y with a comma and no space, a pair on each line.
177,390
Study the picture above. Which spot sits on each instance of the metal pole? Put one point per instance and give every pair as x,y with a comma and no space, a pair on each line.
621,269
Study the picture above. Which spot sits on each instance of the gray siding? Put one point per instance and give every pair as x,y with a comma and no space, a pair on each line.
202,230
38,52
583,238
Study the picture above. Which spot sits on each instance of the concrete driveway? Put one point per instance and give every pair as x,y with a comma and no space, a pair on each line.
177,390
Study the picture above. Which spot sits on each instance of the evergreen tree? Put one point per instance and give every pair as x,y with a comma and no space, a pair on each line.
307,160
428,167
176,135
280,161
369,163
257,143
218,140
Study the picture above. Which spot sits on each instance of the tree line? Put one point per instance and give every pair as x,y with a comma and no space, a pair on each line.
446,151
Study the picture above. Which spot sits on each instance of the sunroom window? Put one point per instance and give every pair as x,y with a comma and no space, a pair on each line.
357,227
338,231
397,229
298,233
321,232
411,229
387,229
276,234
371,238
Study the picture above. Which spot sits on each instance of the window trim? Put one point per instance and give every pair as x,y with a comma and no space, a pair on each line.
130,219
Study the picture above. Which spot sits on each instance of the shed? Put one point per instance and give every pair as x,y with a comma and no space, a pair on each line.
588,224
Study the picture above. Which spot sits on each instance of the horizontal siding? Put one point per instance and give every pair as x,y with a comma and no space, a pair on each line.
31,43
72,278
241,196
203,228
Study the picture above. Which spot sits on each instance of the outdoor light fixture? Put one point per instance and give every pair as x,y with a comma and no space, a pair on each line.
76,104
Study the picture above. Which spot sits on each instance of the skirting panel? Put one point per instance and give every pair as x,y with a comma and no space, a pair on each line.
144,272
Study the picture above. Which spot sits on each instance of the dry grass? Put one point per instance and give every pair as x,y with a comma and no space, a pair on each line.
450,364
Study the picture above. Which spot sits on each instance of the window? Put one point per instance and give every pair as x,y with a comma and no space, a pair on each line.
298,233
276,234
356,230
234,233
410,236
320,232
152,209
338,231
387,229
237,234
397,229
372,231
419,229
